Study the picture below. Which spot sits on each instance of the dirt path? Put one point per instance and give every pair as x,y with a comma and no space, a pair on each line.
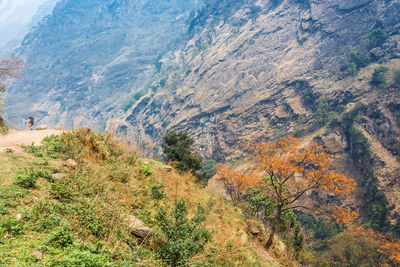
15,139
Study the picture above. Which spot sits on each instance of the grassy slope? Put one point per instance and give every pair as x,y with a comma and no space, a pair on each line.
79,219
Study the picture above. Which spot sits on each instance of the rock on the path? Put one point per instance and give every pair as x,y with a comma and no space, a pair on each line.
18,216
71,163
37,254
41,127
139,229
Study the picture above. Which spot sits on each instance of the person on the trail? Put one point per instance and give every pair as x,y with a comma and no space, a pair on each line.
30,122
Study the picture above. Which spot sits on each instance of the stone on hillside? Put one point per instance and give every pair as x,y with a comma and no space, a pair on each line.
166,168
139,228
37,254
58,176
41,127
18,216
143,232
253,227
71,163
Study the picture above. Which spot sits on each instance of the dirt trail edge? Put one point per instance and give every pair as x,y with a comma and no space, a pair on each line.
15,139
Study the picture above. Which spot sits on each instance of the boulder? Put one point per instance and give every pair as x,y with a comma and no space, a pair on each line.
71,163
253,228
18,216
58,176
41,127
166,168
143,232
139,229
37,254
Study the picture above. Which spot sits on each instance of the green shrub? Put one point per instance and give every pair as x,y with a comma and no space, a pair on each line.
177,148
146,170
27,178
359,58
157,191
309,99
77,257
62,192
378,77
182,237
352,69
3,127
93,222
119,174
61,238
46,215
376,37
298,240
12,226
209,166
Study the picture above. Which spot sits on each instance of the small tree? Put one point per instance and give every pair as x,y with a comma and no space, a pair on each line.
236,182
183,237
352,69
293,171
177,148
378,77
376,37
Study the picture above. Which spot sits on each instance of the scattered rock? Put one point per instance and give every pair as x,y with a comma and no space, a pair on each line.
143,232
58,176
37,254
41,127
71,163
18,216
134,222
139,228
253,227
166,168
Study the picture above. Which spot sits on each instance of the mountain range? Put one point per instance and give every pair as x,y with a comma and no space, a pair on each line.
230,73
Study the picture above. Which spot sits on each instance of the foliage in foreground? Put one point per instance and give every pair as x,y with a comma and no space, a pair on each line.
75,215
182,237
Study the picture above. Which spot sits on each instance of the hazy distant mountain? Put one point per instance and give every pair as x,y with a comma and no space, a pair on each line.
18,18
84,59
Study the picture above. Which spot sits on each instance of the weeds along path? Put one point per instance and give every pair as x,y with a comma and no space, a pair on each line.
15,139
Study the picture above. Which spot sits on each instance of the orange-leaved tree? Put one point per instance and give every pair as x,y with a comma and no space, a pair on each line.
292,171
236,182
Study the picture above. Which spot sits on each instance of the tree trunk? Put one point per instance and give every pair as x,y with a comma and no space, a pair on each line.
274,227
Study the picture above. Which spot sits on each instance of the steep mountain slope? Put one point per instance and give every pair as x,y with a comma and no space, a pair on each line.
55,213
241,72
87,56
248,73
257,70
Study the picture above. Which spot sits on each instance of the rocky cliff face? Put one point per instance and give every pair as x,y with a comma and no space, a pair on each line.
258,72
88,56
245,74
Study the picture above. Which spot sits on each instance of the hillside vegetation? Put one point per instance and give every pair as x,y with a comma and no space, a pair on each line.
69,201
